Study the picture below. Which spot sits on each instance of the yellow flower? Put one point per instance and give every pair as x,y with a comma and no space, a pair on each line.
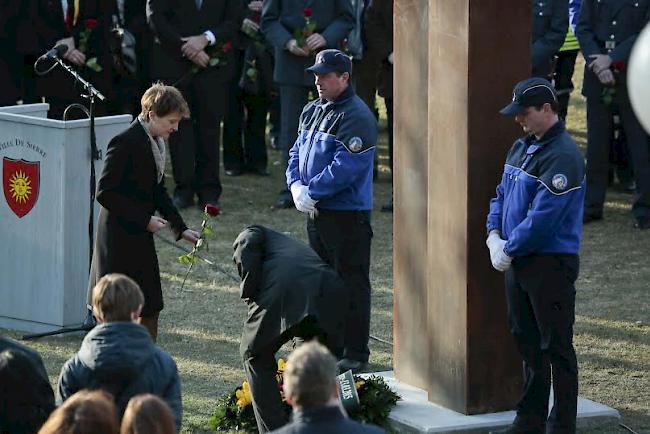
281,365
358,384
244,396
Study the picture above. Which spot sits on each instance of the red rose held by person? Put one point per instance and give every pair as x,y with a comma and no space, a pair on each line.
227,46
212,210
618,65
91,23
307,12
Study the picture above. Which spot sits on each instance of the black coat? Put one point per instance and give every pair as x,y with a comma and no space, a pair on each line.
325,420
378,37
170,20
280,18
284,281
129,194
550,24
121,358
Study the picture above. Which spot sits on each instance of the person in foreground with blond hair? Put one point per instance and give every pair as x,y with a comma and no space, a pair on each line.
86,412
147,414
118,355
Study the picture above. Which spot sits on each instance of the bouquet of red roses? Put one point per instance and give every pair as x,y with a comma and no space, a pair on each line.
301,34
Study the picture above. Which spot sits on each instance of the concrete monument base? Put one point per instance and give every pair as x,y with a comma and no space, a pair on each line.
414,414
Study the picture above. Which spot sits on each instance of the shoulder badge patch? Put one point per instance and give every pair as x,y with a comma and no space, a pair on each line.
560,181
355,144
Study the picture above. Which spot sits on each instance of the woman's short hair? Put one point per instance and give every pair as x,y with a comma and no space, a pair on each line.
163,100
115,297
147,414
85,412
310,375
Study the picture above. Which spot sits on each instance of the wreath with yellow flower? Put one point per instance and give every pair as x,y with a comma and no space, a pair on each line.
235,412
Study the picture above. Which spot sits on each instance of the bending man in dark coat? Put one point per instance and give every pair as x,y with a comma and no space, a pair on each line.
290,292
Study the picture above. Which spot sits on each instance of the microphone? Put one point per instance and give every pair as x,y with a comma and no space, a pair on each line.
56,52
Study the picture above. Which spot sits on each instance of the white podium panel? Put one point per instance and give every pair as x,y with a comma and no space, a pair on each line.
44,215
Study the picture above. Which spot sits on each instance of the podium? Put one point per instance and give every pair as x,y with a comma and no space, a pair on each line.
44,215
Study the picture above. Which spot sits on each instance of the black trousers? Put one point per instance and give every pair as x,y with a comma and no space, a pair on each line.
342,239
261,369
540,295
599,136
195,147
564,67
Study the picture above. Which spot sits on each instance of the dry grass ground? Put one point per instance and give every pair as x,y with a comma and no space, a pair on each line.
200,326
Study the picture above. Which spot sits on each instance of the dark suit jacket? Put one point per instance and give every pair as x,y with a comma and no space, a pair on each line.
280,18
130,194
325,420
171,20
284,281
598,22
378,36
550,24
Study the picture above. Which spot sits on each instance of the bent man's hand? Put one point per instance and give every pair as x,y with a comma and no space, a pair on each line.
201,59
156,223
600,62
193,45
190,236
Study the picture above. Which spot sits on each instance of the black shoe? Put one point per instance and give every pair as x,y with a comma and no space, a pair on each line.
182,201
355,366
233,172
388,207
642,223
90,322
284,201
588,218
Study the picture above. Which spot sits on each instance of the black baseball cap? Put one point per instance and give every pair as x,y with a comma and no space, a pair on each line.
532,92
331,60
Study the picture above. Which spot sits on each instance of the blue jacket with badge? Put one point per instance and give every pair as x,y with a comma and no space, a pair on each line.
334,152
538,207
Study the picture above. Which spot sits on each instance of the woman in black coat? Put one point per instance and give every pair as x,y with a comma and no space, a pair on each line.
130,191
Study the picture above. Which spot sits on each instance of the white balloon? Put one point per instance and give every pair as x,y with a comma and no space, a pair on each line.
638,78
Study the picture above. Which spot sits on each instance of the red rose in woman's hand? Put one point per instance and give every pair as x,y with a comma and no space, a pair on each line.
91,23
307,12
212,210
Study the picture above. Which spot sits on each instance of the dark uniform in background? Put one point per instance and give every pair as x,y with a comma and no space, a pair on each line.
611,27
566,60
290,292
280,19
333,157
550,23
195,149
538,212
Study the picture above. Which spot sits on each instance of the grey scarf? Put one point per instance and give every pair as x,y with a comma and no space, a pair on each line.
157,149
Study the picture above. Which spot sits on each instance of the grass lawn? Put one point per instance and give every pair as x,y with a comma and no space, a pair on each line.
201,325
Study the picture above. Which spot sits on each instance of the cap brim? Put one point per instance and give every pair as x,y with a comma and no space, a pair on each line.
320,68
512,109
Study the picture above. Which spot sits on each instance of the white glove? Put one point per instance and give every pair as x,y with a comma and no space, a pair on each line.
500,261
301,199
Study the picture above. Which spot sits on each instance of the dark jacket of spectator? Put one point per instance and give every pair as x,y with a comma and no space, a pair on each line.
121,358
26,397
325,420
281,18
550,24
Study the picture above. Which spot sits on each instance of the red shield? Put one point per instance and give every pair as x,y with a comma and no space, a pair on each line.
20,182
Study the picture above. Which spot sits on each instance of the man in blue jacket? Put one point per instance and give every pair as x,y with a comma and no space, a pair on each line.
330,178
535,228
282,22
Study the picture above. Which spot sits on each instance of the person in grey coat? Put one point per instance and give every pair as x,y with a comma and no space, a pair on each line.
281,19
550,24
118,355
290,292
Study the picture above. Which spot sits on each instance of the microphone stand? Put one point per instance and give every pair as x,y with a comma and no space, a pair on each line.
90,93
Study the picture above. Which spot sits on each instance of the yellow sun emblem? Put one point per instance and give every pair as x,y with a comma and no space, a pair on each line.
20,186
